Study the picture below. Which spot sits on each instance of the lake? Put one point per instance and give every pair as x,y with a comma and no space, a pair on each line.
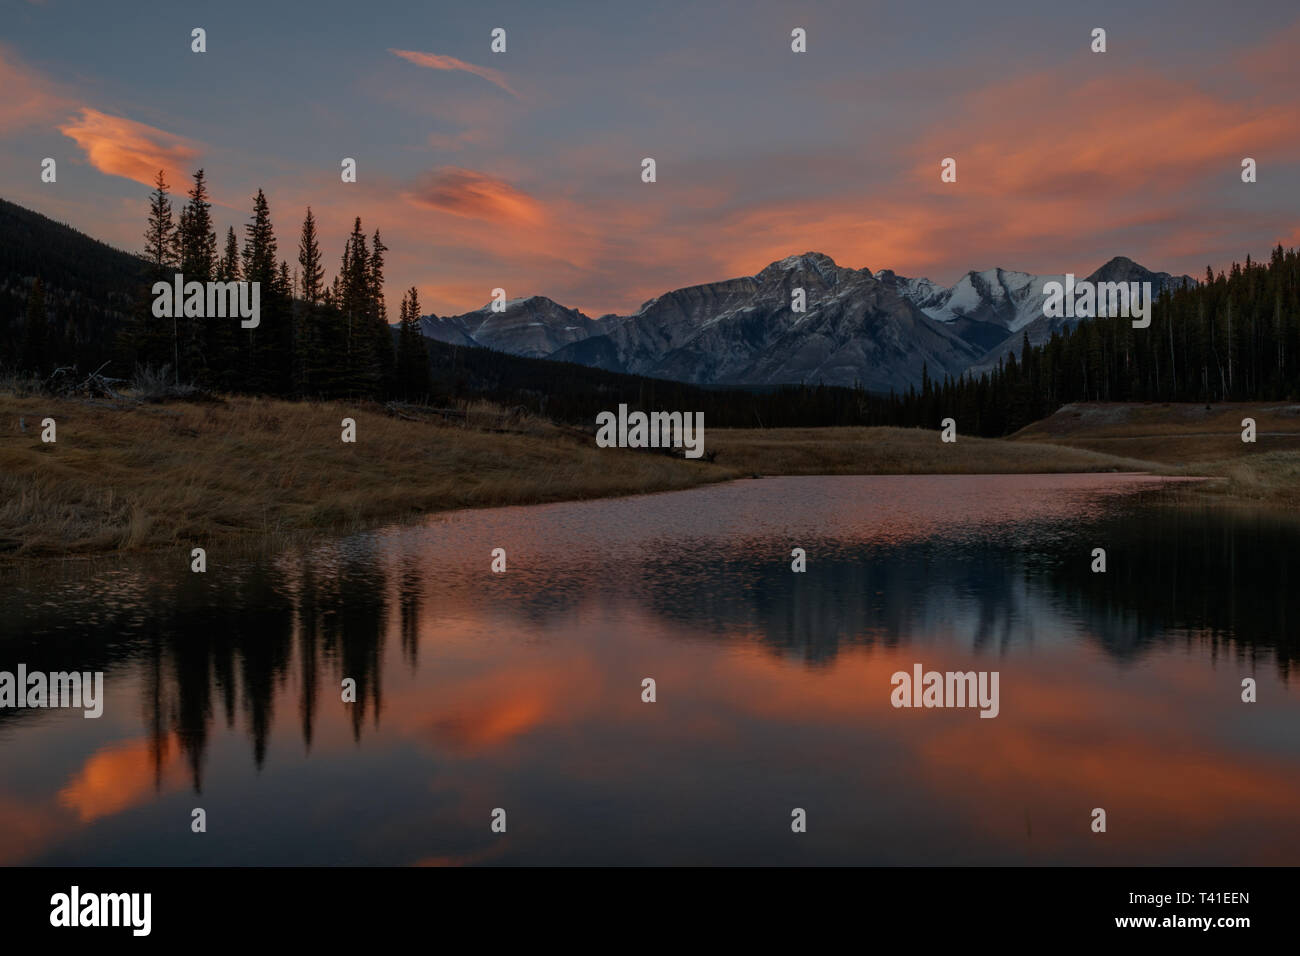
523,691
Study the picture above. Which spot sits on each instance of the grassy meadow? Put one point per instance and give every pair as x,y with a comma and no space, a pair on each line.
138,476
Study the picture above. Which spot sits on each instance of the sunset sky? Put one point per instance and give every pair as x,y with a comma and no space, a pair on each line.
522,169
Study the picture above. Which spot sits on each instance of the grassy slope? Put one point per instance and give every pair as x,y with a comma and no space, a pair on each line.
1193,440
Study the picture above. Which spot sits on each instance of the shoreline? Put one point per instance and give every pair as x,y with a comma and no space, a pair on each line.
244,472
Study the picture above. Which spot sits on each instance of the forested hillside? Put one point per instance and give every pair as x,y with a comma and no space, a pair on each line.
87,288
1233,337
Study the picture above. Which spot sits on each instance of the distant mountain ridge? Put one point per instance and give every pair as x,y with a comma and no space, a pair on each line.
877,329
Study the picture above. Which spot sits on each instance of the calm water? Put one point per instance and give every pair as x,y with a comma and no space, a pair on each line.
523,690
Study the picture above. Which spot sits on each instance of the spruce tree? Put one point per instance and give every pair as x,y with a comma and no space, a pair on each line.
261,363
159,236
320,339
196,246
150,340
382,335
259,244
197,241
412,358
221,339
354,301
228,270
312,276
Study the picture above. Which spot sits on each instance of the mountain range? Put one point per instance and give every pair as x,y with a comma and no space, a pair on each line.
877,329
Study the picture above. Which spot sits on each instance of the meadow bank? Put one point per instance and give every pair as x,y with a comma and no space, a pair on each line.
137,476
126,476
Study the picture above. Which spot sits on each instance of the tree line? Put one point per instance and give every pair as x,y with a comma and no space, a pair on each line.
314,339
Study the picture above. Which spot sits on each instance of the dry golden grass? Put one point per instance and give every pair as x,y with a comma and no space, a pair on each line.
1173,433
144,476
1191,439
897,451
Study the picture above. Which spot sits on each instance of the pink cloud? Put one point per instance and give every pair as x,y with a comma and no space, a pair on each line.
435,61
475,195
28,98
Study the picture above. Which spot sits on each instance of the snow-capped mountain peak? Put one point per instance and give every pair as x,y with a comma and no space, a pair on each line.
878,329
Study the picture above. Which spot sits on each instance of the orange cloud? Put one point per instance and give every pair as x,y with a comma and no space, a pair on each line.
118,777
1053,174
123,147
1063,744
474,195
435,61
1108,136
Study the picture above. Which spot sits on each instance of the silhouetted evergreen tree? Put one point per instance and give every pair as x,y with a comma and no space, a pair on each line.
268,348
353,288
152,340
196,255
228,270
412,357
377,316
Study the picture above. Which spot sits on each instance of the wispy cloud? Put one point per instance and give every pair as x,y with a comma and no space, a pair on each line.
436,61
122,147
29,98
475,195
1119,134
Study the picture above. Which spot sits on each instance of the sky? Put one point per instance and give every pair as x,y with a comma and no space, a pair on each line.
523,170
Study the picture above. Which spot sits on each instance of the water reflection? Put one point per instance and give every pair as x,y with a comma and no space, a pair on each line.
523,689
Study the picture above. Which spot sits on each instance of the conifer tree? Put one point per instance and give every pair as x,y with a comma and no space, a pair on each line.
259,244
196,239
266,364
222,365
381,334
312,276
159,236
196,252
150,340
412,358
228,270
355,302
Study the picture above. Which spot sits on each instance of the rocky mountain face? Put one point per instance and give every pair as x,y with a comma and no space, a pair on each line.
534,327
1032,322
859,327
